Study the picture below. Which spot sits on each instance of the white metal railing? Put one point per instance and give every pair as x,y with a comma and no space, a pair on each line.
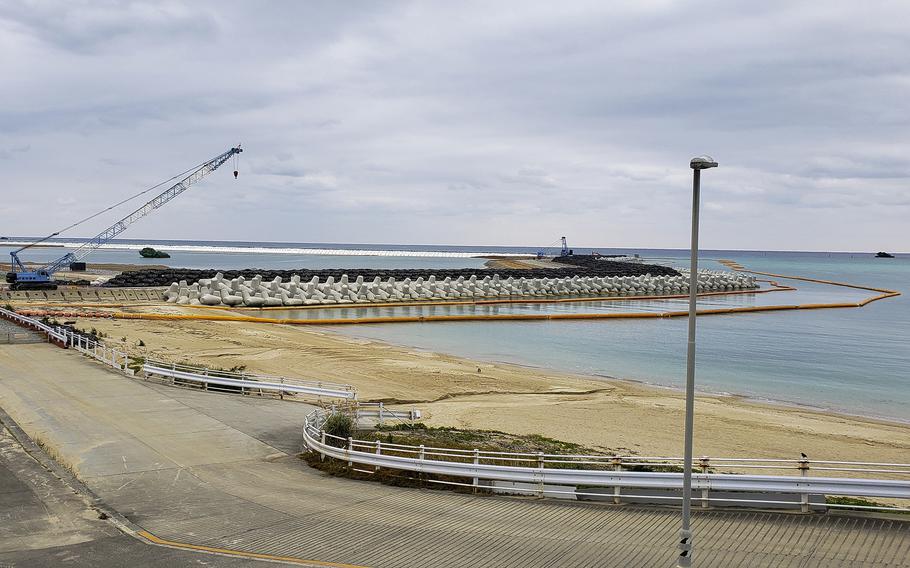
67,338
95,349
582,475
229,380
51,332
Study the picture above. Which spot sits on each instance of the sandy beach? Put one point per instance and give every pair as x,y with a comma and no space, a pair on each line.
613,415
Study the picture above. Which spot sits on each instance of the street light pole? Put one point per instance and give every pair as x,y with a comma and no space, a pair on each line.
685,534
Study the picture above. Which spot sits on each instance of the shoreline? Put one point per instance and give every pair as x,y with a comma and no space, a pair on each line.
675,389
469,393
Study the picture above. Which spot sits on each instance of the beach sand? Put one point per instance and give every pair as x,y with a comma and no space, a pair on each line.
611,415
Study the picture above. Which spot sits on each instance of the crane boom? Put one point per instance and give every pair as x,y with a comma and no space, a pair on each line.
43,274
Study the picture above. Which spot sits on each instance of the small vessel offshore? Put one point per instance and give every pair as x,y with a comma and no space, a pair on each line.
883,255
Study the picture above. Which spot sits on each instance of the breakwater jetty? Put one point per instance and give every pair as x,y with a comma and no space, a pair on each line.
164,277
258,292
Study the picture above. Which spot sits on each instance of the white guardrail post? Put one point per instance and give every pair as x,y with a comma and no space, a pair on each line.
705,493
617,490
804,472
540,466
475,482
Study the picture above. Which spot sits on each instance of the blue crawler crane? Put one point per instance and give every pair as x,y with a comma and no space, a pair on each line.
42,278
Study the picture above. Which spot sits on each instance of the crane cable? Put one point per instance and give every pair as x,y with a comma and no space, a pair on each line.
143,192
118,204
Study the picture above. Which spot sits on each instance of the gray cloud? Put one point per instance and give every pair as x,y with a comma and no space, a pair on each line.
467,123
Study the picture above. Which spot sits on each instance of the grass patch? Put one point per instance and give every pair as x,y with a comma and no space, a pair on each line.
483,440
135,363
854,504
417,434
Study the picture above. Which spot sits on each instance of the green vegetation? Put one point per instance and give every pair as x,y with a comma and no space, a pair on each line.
855,503
484,440
149,252
417,434
340,425
136,363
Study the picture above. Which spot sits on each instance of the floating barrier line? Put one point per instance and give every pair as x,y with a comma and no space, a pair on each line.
883,293
477,317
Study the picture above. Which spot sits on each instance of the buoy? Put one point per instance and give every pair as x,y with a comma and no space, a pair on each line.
236,173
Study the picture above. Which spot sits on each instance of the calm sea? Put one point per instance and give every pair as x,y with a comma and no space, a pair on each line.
848,360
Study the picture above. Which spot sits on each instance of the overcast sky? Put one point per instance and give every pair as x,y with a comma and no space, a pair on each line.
488,123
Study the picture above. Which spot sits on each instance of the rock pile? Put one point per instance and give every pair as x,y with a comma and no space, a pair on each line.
163,277
257,292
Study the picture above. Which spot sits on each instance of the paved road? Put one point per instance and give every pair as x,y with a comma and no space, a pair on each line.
46,521
219,470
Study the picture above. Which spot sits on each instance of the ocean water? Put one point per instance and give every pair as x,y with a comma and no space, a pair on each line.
216,257
848,360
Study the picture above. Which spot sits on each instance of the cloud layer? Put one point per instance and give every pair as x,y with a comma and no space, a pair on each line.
465,123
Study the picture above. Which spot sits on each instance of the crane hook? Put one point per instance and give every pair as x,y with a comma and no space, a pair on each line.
237,161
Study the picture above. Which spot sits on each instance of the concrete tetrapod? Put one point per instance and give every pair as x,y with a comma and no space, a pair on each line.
253,293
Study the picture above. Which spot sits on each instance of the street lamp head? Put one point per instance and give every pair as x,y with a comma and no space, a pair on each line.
702,163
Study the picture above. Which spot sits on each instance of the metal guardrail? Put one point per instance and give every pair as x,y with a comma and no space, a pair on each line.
378,412
560,475
232,380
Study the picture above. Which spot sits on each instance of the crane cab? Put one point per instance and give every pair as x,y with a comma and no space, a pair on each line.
40,280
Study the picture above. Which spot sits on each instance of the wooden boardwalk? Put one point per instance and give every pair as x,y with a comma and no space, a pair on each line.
220,471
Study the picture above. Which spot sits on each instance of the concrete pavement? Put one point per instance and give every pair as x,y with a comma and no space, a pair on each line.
219,470
48,520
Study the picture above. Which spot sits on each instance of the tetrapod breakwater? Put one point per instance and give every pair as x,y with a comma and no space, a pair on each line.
258,292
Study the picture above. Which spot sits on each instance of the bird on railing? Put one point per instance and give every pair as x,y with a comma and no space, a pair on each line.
803,455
